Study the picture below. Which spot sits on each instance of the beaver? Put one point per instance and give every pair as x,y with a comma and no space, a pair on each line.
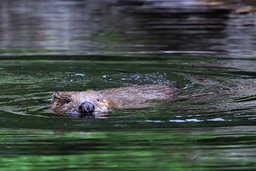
90,101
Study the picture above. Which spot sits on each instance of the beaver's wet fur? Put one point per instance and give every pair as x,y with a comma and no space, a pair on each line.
91,101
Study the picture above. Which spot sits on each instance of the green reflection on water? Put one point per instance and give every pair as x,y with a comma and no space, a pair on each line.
172,149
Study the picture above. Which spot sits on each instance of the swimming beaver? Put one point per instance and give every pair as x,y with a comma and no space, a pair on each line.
90,101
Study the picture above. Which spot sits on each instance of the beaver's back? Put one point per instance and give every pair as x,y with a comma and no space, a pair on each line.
135,95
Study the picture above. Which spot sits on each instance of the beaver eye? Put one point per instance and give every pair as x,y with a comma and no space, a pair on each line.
68,100
98,99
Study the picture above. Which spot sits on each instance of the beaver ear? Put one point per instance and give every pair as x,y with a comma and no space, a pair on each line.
55,97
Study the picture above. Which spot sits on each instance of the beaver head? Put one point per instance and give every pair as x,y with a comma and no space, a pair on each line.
85,102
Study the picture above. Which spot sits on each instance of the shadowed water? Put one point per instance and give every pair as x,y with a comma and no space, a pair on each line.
204,49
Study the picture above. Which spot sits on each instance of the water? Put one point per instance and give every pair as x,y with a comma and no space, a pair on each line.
208,52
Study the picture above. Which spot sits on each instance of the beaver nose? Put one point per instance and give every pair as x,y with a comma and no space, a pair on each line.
86,107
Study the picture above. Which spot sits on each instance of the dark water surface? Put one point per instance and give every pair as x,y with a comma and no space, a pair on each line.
206,49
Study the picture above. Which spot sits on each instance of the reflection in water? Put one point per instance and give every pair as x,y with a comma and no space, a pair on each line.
188,149
187,26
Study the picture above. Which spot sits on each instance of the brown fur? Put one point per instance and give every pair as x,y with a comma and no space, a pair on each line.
106,100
